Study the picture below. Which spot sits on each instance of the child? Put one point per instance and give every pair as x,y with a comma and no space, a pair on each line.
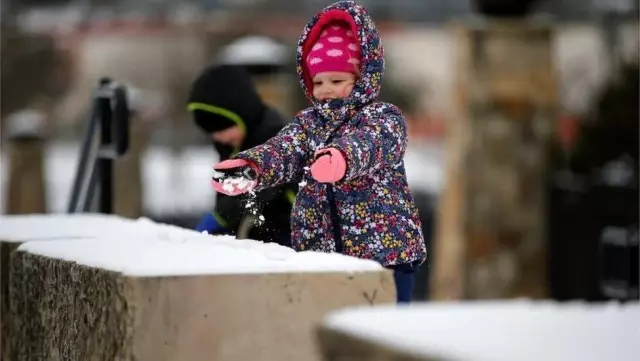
346,150
225,104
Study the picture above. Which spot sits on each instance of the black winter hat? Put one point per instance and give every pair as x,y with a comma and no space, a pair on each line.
223,96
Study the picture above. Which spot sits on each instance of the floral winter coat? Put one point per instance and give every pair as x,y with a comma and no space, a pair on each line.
370,213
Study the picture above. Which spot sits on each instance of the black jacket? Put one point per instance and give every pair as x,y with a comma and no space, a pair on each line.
273,204
224,96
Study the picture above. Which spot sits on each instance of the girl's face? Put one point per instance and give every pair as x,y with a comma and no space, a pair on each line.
333,85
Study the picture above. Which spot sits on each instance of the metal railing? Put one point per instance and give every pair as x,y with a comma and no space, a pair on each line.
106,139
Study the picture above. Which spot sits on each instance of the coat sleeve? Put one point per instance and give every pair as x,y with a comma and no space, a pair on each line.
380,141
280,159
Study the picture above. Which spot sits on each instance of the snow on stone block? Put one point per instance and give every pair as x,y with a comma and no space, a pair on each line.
145,248
484,331
164,293
214,255
20,228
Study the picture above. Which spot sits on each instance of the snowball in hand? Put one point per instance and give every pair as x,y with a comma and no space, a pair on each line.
230,184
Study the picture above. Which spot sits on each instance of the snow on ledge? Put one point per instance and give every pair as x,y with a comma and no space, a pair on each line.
145,248
20,228
500,331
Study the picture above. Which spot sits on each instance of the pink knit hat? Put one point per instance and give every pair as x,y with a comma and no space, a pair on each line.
335,50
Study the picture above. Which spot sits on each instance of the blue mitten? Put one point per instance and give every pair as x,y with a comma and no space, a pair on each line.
209,223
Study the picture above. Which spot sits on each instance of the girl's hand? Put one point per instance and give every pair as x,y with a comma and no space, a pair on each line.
237,177
329,166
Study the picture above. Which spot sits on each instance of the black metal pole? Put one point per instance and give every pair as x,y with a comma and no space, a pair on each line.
85,151
105,164
92,180
95,169
120,129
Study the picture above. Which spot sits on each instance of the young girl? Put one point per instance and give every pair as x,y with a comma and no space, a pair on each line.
346,151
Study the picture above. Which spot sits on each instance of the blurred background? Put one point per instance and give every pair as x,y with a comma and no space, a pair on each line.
54,53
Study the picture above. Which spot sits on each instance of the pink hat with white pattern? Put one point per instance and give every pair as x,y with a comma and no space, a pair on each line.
335,50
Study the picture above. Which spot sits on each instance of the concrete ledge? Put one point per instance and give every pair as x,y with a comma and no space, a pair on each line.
162,293
478,331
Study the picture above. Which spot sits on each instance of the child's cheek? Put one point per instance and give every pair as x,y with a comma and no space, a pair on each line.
347,91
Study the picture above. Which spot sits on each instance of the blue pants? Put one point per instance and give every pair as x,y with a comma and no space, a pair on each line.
405,279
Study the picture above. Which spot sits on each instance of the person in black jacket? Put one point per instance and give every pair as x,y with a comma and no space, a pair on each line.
225,104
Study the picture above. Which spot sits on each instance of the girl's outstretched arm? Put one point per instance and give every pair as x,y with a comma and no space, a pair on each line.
379,141
281,159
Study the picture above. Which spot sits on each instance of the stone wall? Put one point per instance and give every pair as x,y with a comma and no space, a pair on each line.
116,289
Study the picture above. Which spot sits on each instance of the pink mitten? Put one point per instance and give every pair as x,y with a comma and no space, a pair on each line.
238,176
330,165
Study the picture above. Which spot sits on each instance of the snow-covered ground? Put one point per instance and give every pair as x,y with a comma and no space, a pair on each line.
145,248
180,184
500,330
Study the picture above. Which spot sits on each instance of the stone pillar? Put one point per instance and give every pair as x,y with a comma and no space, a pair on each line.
491,231
128,187
25,192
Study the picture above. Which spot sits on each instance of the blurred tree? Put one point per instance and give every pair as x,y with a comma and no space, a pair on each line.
490,239
593,188
613,127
